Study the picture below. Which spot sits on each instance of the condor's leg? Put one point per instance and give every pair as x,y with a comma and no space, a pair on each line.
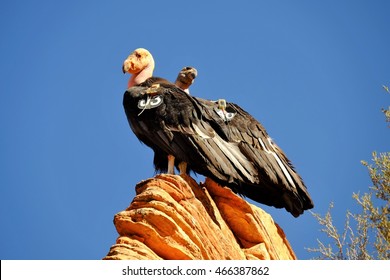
171,164
183,168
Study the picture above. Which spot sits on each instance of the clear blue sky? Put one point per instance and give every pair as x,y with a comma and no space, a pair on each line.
310,71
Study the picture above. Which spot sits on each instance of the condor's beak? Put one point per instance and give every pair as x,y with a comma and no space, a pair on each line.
123,69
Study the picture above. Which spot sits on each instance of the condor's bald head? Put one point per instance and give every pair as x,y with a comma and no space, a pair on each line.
140,64
137,61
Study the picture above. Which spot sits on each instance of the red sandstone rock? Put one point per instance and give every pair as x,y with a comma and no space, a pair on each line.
172,217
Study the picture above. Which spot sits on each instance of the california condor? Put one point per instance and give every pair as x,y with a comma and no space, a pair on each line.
217,139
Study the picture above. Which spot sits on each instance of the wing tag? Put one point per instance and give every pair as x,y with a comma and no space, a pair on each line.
225,114
150,102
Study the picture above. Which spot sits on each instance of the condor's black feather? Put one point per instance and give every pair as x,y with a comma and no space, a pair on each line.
228,146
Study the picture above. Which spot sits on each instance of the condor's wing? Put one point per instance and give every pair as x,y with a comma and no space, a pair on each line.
273,165
235,153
